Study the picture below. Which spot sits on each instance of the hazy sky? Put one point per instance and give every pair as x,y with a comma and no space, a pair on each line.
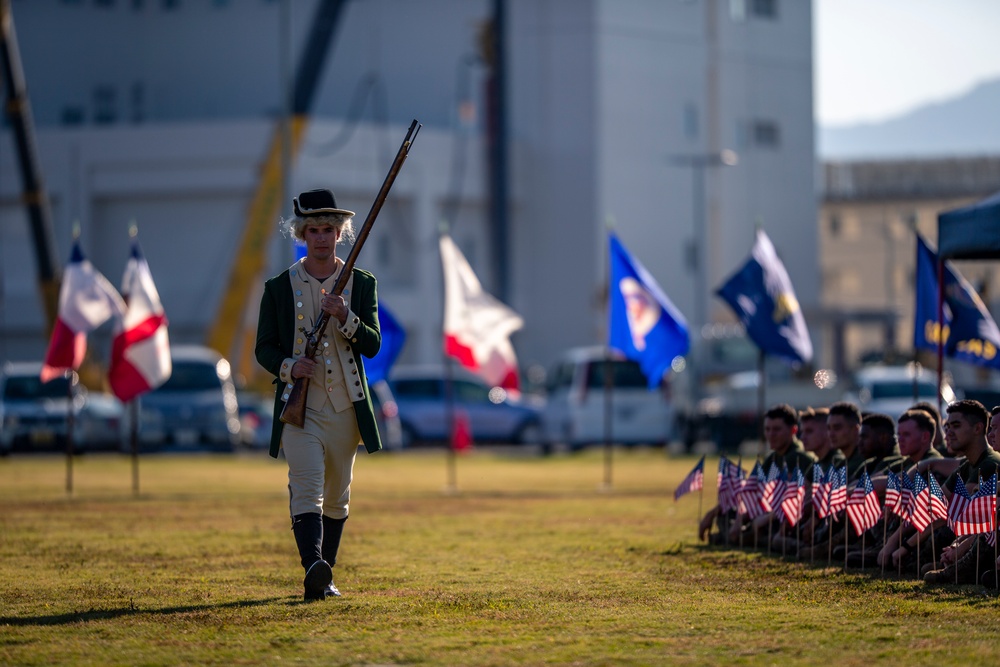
875,59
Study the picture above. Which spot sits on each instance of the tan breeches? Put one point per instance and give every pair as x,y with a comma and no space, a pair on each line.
320,458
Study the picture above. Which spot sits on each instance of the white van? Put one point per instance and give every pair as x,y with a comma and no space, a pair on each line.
575,414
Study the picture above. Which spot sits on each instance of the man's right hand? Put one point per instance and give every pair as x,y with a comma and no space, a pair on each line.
705,526
303,367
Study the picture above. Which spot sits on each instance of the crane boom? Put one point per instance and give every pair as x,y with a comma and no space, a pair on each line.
34,195
265,205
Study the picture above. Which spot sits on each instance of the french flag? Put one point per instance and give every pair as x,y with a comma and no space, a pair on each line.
140,353
86,301
477,326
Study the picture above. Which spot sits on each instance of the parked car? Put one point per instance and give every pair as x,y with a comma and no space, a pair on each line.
729,413
575,411
256,419
494,414
34,416
196,408
892,389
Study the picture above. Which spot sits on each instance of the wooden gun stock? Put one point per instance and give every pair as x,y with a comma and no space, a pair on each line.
294,412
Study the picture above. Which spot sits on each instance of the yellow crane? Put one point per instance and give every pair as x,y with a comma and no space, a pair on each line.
230,333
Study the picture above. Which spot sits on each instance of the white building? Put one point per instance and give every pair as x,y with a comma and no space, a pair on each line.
160,111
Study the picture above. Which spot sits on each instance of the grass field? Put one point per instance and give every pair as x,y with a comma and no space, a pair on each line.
529,561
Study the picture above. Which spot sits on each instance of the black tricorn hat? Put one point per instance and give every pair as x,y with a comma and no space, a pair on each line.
317,202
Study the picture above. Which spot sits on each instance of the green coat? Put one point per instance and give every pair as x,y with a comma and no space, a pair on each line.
276,337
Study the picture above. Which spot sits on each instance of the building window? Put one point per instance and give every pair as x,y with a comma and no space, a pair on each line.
72,115
765,134
765,9
105,103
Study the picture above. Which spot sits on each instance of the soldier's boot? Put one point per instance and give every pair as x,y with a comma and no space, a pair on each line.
962,572
333,530
308,530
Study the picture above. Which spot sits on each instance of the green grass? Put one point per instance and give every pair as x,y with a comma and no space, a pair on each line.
530,561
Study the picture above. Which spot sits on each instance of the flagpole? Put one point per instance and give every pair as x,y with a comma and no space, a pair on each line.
940,333
71,378
133,436
608,386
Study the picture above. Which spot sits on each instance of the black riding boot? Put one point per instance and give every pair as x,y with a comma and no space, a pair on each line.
333,529
308,530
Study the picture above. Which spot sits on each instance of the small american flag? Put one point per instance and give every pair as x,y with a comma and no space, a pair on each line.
791,499
960,499
981,514
821,491
694,481
838,491
891,491
749,497
920,514
724,483
939,504
863,508
774,488
904,508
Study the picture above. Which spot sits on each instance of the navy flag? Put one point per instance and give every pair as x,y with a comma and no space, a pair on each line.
762,297
969,334
644,324
393,339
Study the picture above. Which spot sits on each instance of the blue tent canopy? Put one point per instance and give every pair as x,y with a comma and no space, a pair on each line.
971,232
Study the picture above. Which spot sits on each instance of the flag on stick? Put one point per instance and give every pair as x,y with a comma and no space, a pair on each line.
968,333
960,500
477,327
86,301
920,517
762,296
981,513
752,493
140,352
939,505
643,323
863,507
694,481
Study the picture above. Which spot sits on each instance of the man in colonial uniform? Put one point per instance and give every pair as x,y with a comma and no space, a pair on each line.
339,412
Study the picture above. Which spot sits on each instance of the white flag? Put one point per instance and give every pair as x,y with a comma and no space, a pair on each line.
140,352
477,327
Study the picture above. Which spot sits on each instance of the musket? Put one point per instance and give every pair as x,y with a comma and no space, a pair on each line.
294,412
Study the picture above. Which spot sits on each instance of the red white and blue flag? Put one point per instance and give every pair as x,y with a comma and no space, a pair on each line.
904,507
863,508
920,514
140,352
838,491
892,494
939,505
729,481
86,301
820,491
694,481
960,500
750,495
791,500
774,488
981,514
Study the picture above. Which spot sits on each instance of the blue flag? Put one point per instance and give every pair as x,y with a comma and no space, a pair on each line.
393,339
644,324
761,294
970,334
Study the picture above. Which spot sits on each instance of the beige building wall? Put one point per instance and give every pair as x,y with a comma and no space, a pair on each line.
868,217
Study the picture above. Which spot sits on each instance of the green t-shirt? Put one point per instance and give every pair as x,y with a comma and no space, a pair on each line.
971,471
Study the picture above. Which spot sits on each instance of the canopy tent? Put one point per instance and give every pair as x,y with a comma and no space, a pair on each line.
971,232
